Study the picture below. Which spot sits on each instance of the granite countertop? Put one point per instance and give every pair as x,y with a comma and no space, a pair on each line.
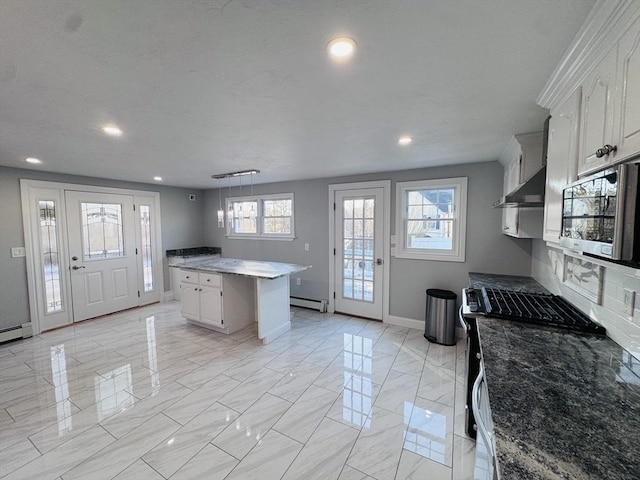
564,405
193,252
247,268
509,282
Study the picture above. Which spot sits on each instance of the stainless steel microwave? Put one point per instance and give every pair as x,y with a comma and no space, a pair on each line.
601,214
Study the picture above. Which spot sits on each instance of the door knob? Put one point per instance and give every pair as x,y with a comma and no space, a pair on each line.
75,267
74,258
378,261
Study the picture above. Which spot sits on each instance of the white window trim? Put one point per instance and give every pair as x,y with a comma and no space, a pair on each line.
259,235
457,254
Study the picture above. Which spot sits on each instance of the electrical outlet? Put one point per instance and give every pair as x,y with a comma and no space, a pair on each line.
298,281
629,301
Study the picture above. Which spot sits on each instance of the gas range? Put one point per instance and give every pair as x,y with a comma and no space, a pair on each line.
526,307
534,308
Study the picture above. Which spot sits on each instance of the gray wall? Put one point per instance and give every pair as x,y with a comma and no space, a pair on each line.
182,226
487,249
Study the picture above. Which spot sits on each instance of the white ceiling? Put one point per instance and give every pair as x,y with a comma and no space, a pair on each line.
204,87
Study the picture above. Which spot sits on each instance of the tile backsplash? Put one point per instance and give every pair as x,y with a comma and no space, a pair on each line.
549,267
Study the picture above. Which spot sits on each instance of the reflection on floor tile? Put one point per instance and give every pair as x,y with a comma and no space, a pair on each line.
142,395
416,467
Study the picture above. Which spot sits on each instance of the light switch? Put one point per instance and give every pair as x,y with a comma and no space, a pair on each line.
393,239
18,252
306,247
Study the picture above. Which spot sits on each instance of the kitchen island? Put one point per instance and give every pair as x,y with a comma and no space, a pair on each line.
227,294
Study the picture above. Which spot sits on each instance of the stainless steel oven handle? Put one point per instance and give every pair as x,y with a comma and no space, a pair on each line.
475,405
462,321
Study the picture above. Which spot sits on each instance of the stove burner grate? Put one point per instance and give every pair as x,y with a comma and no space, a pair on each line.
536,308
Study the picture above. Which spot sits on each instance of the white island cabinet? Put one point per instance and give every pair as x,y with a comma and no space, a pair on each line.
227,295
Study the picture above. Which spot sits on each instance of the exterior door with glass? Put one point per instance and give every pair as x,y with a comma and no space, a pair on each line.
102,253
358,254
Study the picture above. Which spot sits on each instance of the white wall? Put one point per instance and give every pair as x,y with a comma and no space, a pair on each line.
488,250
547,267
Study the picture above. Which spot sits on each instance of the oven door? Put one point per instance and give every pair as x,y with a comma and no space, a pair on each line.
472,360
485,467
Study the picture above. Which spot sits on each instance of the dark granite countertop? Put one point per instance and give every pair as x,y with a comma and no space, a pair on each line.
564,405
509,282
193,252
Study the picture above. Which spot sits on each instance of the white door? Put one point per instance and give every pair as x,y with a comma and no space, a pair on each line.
102,253
358,254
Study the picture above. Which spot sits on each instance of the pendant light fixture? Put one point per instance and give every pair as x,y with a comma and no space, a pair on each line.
230,210
252,213
240,203
220,210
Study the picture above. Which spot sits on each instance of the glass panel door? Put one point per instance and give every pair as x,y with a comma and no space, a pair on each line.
358,230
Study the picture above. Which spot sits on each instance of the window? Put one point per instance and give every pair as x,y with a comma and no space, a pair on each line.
431,219
147,251
265,217
49,252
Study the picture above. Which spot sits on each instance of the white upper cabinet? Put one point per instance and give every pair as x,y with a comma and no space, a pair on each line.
522,159
596,126
604,61
610,125
562,156
531,157
627,131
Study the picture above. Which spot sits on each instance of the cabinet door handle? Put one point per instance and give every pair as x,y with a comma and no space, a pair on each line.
606,150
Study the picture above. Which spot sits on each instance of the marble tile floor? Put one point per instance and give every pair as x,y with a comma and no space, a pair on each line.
142,395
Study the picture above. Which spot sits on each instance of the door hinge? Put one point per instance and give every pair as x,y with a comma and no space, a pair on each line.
136,250
134,207
334,206
138,293
334,251
220,292
334,295
222,321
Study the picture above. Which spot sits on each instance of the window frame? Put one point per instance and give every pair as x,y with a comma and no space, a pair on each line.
459,221
260,234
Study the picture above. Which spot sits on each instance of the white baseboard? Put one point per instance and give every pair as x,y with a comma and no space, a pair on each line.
167,296
406,322
320,305
275,333
23,331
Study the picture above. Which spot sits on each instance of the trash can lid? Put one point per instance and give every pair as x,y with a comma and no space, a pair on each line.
445,294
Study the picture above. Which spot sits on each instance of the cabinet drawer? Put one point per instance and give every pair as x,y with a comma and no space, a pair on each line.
211,279
189,277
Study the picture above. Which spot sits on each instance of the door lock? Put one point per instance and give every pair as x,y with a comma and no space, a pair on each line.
378,261
74,258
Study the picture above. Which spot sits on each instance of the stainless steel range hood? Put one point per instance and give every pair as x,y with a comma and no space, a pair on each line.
529,194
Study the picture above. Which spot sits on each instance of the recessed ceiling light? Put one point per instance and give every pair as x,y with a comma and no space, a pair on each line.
157,179
341,48
33,160
112,130
405,140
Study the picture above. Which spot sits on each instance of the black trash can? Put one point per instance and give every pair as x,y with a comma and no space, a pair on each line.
440,320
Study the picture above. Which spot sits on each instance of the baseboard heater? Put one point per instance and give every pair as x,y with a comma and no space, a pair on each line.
320,305
22,331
